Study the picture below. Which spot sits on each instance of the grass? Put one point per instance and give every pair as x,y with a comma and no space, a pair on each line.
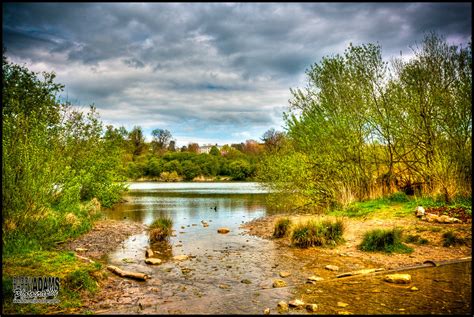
316,233
384,240
416,239
160,229
282,227
450,238
395,205
77,278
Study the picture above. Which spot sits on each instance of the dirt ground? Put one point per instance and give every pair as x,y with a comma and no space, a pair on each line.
104,237
353,235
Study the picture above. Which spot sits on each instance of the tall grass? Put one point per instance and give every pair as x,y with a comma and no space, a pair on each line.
316,233
282,227
384,240
160,229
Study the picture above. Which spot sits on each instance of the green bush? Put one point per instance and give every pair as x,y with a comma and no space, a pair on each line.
399,197
314,233
416,239
282,227
160,229
450,238
385,240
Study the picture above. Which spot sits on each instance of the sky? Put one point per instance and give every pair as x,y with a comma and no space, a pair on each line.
207,72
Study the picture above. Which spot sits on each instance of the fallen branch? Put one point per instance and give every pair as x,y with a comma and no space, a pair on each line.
122,273
84,258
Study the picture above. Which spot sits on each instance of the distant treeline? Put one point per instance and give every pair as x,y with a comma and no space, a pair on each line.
363,128
160,160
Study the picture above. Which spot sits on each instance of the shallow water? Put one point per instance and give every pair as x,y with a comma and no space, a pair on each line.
233,273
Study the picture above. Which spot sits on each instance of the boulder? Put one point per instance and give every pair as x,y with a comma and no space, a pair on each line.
296,303
331,267
152,261
223,230
313,279
398,278
182,257
282,305
278,283
149,253
311,307
419,211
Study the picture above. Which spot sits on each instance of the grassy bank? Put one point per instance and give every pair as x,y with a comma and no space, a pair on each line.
33,252
397,205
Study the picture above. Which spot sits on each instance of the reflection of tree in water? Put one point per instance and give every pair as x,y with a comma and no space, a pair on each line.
162,249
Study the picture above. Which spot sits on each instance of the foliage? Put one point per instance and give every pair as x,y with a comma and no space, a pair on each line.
450,238
416,239
282,227
364,128
316,233
160,229
385,240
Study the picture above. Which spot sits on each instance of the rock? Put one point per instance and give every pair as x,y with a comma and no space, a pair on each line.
282,305
81,249
182,257
331,267
419,211
414,288
149,253
266,311
152,261
430,217
398,278
342,304
224,286
359,272
344,312
205,225
313,279
278,283
194,224
311,307
185,270
183,227
296,303
285,274
126,260
223,230
246,281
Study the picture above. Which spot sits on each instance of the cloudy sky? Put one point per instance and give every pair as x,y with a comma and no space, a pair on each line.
207,72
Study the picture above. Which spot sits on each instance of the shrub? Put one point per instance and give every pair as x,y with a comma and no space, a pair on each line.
451,239
160,229
313,233
281,227
399,197
416,239
385,240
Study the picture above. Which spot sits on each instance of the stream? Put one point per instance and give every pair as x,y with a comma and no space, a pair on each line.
233,273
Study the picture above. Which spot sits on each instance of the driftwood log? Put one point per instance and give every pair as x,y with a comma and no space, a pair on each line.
122,273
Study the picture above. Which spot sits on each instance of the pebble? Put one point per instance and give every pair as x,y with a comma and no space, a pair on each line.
278,283
180,257
152,261
223,230
342,304
246,281
296,303
398,278
331,267
282,305
266,311
414,288
285,274
311,307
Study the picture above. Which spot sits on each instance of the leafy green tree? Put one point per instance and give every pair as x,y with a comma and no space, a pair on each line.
161,139
215,151
137,141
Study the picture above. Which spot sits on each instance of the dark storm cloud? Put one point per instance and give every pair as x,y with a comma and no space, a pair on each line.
225,64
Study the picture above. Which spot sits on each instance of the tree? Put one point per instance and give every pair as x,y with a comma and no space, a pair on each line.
137,141
161,139
214,151
273,139
193,147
